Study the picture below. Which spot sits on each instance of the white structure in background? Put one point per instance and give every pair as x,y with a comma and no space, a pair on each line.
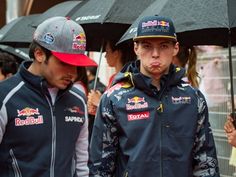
16,8
105,71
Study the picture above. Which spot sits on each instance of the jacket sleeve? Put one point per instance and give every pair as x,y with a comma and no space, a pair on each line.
103,147
205,160
81,151
3,121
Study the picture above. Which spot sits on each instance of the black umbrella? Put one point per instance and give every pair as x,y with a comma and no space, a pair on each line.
197,22
106,19
18,32
21,54
61,9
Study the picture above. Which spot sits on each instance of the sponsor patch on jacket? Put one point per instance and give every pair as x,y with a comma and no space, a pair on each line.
74,119
75,109
29,116
136,103
138,116
27,112
181,100
73,114
29,121
118,87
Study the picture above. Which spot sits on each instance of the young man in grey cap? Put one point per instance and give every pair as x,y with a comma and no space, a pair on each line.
43,118
150,122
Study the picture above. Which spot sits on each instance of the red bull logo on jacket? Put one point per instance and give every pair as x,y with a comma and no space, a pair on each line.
32,115
29,121
27,112
136,103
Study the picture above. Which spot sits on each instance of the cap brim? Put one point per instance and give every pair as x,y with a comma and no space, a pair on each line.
154,36
75,59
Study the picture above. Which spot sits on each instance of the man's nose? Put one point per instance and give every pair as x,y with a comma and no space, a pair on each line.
156,51
71,69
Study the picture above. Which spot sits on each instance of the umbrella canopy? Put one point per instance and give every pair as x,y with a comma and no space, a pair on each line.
61,9
19,32
197,22
20,53
107,20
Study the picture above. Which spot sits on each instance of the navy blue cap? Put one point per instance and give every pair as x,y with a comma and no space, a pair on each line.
155,27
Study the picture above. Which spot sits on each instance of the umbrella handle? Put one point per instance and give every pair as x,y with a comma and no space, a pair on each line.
99,65
233,115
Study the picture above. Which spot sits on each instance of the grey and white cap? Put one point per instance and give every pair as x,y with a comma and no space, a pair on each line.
65,39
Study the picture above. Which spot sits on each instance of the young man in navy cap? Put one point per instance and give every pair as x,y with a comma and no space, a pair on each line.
150,122
43,118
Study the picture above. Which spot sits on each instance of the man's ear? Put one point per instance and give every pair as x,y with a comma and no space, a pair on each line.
39,55
176,49
136,48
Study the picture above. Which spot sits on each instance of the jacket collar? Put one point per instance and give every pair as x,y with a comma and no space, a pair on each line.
131,72
34,81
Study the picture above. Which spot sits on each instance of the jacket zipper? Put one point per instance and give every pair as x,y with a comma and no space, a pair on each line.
15,165
53,152
160,132
161,110
53,145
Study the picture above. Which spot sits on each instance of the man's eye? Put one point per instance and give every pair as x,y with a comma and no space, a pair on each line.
164,46
146,46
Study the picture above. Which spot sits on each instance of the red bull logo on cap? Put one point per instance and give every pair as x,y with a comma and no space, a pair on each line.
79,42
155,23
80,37
149,23
163,23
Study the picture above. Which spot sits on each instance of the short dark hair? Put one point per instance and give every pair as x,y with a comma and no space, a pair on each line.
126,49
92,69
8,63
35,45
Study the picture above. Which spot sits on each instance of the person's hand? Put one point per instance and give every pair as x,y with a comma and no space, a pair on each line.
94,97
93,101
230,131
232,138
229,126
91,109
